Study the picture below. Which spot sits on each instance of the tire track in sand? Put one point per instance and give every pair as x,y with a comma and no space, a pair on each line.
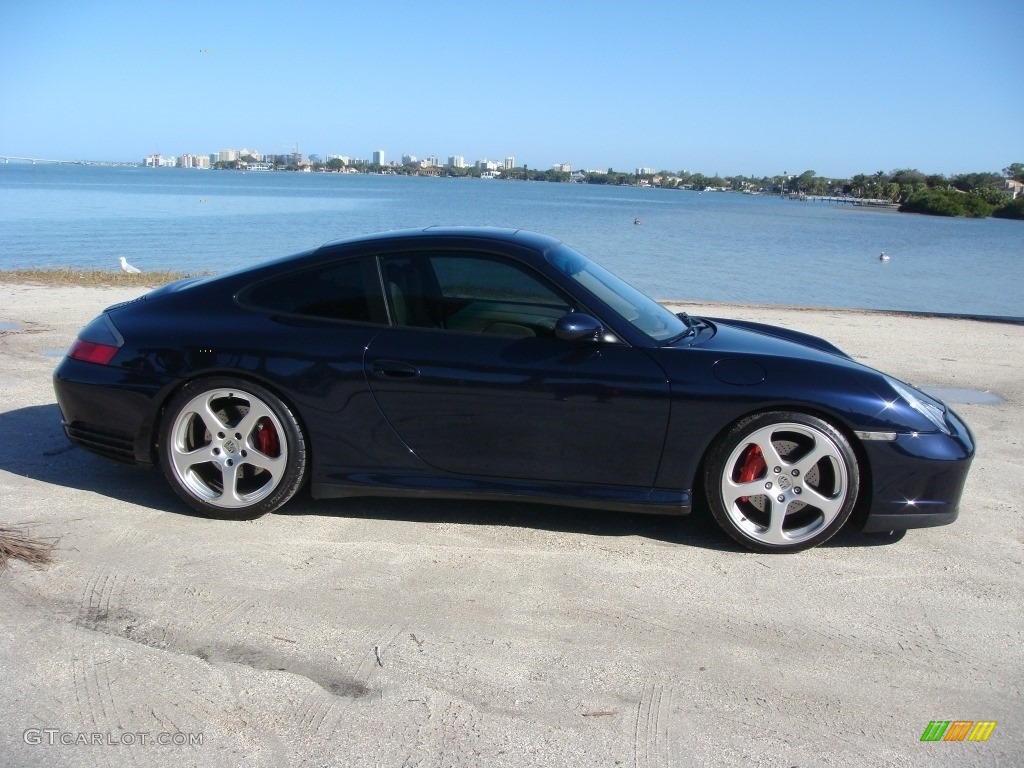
652,733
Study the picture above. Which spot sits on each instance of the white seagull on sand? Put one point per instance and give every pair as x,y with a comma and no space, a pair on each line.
126,267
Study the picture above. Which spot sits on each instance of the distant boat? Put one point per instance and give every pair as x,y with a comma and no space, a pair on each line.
883,256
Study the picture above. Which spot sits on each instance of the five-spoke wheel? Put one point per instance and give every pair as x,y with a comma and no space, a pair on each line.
782,482
231,449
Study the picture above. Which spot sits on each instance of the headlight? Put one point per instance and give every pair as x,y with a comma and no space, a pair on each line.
920,402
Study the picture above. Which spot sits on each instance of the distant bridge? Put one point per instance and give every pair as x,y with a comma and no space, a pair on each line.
34,160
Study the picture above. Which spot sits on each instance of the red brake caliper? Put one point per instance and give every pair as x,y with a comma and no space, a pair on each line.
752,466
266,438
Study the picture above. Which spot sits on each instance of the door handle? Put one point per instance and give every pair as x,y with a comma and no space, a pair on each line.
395,370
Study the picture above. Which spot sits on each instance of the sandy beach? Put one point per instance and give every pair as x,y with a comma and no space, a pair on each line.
411,633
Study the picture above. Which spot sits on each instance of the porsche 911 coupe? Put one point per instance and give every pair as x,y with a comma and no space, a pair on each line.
502,364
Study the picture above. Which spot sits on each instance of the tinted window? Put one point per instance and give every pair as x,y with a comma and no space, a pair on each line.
484,278
473,293
335,292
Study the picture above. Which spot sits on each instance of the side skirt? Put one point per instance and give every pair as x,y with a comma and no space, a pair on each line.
615,498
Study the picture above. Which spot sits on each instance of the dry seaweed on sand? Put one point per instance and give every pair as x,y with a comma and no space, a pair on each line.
19,544
90,277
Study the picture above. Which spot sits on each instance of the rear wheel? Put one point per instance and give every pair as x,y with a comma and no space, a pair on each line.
781,481
232,449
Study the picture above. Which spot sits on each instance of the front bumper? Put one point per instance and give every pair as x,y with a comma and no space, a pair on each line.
917,480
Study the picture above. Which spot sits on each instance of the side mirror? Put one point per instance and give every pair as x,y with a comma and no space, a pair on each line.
576,326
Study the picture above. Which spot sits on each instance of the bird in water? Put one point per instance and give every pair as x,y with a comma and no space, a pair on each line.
126,267
636,220
883,256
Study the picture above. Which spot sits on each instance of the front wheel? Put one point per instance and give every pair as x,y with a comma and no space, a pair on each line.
781,481
231,449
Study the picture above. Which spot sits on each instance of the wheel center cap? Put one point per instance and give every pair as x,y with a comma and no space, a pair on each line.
230,446
784,483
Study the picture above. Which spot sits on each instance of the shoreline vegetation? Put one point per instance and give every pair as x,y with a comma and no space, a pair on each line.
98,278
973,195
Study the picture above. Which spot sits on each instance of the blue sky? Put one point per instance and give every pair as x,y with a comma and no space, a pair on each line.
752,88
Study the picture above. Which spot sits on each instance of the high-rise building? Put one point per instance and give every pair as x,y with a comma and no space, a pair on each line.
456,161
160,161
378,157
193,161
510,163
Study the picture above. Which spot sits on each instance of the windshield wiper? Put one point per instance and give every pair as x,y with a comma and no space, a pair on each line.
694,325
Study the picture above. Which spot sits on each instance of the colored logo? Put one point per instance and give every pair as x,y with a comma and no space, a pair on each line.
958,730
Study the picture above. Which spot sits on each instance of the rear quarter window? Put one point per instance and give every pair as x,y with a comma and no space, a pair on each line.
333,292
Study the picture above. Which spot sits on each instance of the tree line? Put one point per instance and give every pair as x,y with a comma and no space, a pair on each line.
977,195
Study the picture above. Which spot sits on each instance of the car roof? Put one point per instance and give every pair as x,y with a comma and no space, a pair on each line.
503,234
235,278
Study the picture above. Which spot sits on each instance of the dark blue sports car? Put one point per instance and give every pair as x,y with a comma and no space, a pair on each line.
496,363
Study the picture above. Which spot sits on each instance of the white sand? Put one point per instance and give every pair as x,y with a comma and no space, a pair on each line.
510,635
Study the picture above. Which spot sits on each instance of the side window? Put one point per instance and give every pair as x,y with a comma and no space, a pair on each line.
474,293
334,292
485,279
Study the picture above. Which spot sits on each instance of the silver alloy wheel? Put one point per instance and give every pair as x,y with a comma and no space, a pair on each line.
784,484
228,448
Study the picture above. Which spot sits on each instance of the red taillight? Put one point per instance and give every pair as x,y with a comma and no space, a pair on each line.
91,352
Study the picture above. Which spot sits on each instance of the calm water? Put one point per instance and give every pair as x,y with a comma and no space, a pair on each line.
703,247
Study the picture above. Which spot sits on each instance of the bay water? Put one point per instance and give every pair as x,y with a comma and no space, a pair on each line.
709,246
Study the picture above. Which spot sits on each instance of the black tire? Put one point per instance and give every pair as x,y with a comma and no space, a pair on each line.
781,481
231,449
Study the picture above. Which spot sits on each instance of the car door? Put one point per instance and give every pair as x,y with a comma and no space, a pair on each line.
474,381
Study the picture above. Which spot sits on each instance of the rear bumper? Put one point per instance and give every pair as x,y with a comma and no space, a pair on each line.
108,410
918,479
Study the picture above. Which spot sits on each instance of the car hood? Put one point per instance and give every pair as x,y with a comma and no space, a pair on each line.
746,353
760,333
778,367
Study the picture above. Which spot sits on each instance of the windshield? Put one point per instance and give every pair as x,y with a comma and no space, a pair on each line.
641,311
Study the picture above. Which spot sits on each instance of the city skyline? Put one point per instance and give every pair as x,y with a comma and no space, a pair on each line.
295,157
745,88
